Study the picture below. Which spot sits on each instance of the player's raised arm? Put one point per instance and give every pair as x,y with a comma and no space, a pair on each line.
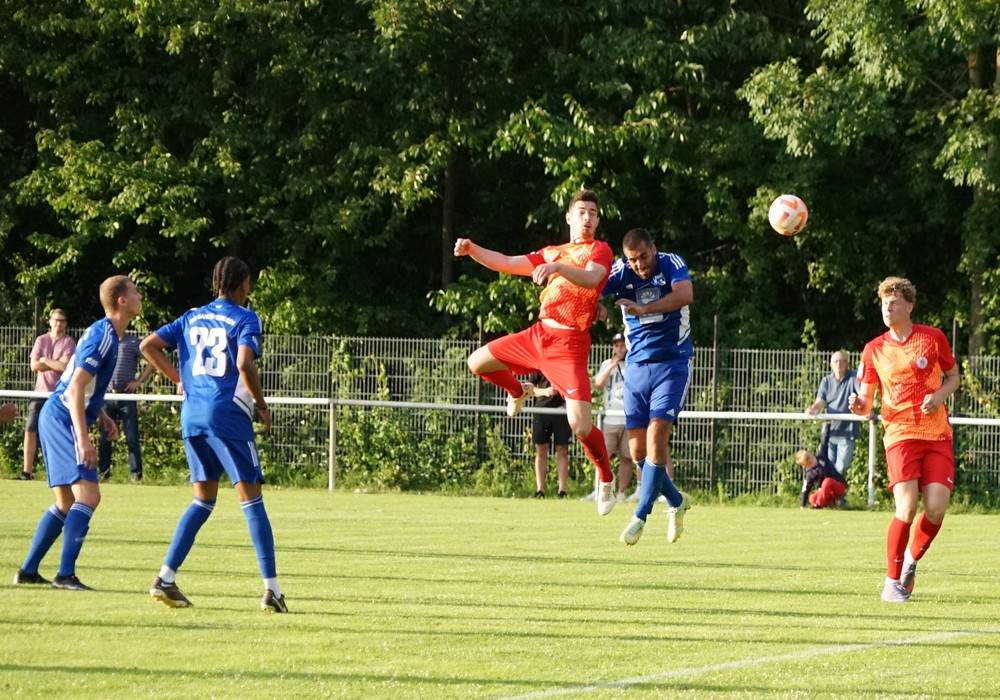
498,262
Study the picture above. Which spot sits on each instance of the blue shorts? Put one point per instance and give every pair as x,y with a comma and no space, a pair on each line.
655,390
208,457
60,450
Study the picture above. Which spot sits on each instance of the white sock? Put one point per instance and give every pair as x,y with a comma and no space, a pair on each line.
891,581
271,584
908,559
167,575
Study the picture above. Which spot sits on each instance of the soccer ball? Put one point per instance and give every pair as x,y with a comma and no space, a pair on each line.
788,214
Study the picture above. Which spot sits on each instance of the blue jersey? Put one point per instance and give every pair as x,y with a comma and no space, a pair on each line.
216,401
653,337
97,353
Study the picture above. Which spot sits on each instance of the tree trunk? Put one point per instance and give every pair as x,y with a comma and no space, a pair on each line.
448,224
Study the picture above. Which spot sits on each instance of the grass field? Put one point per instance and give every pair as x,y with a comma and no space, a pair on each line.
408,596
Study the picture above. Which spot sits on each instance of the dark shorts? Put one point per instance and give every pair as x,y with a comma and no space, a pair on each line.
34,409
547,427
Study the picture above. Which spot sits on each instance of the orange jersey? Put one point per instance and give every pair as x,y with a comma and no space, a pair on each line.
563,301
907,372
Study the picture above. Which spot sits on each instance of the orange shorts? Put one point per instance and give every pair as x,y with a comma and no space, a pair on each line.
561,354
930,461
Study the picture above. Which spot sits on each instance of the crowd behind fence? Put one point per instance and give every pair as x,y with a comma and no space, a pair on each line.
735,454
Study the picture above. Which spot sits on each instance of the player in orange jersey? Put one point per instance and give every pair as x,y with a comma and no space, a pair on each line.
558,346
915,371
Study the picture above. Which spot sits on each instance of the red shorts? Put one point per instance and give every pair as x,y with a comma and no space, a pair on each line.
930,461
561,354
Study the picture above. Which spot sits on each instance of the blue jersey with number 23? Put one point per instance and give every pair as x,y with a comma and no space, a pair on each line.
216,401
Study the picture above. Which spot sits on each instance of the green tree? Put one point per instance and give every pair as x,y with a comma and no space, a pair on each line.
905,93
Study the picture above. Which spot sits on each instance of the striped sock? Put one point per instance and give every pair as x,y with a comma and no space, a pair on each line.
74,533
49,528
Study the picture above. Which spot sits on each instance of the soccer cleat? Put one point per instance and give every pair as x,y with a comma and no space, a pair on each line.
894,593
908,578
272,603
514,406
675,518
606,497
169,594
23,576
69,583
631,534
25,476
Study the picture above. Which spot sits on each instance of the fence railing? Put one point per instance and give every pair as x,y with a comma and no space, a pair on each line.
722,441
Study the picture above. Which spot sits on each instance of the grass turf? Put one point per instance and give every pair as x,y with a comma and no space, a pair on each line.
410,596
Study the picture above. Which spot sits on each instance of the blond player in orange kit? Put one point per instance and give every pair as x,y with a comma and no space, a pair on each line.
558,345
916,371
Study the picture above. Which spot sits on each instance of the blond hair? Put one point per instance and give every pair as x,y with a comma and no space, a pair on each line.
803,457
897,286
111,289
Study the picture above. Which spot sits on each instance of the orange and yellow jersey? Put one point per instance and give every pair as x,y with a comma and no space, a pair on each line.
906,372
563,301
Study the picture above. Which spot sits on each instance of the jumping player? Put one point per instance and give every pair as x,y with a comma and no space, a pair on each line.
558,345
63,429
217,346
654,292
915,372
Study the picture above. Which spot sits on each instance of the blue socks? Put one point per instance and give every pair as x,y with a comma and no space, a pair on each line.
188,526
74,532
655,482
261,535
48,531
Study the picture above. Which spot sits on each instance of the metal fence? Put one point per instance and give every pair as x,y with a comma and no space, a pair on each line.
738,455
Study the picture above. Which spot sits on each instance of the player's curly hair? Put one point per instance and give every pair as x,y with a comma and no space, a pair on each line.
897,286
229,274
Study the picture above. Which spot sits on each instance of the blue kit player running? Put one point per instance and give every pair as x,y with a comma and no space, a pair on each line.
63,430
217,346
654,292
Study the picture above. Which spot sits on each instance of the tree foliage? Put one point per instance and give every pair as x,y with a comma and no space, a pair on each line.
340,147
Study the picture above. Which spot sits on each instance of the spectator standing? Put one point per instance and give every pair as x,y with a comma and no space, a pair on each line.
49,356
549,428
834,391
124,381
611,378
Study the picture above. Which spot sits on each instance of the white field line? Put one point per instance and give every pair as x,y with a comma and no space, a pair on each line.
745,663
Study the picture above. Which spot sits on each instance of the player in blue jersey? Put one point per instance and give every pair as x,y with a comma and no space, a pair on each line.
63,430
217,346
654,293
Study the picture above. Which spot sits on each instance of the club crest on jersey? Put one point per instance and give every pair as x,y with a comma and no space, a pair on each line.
922,363
660,280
